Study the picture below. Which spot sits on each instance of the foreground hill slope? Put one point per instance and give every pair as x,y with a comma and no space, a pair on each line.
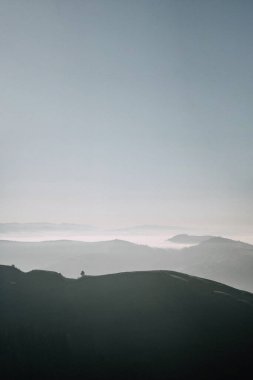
141,325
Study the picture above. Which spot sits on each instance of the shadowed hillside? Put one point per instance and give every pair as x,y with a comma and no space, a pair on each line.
142,325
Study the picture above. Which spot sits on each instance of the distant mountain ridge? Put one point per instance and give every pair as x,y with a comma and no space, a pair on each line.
218,259
7,229
33,227
189,239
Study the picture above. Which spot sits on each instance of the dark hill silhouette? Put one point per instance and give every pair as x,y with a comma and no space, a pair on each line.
141,325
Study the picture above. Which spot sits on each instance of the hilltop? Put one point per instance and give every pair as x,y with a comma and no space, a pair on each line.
141,325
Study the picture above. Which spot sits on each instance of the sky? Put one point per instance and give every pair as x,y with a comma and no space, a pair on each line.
117,113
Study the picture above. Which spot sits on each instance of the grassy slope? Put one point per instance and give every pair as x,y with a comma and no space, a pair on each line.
140,325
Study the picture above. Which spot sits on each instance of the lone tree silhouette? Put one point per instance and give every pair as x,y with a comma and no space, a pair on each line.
82,273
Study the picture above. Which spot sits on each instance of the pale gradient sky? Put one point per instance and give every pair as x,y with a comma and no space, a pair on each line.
121,112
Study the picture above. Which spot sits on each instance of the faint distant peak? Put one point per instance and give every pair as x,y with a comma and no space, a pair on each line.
218,240
43,226
190,239
117,242
146,228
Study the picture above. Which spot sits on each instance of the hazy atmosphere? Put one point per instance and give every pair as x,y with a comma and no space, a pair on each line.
120,113
126,189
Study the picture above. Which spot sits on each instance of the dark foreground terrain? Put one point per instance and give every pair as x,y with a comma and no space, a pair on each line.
140,325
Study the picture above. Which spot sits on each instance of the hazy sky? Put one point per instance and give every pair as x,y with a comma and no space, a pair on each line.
127,112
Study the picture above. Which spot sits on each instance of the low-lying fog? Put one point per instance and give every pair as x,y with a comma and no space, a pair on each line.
159,241
152,236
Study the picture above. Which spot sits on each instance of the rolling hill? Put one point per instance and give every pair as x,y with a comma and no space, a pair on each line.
218,259
142,325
